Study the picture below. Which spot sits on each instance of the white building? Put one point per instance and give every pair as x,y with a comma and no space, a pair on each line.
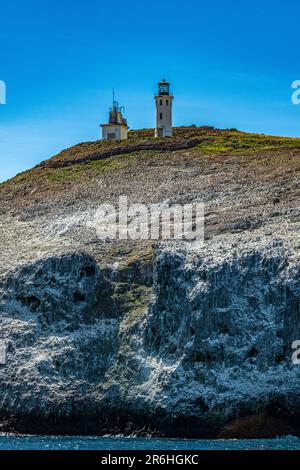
117,128
163,101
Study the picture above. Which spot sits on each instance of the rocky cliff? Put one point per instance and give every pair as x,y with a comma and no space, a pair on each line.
165,338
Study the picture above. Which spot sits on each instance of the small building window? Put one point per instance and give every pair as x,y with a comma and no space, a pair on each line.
167,102
160,116
160,102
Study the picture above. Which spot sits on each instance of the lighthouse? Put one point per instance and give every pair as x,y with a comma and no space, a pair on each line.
163,101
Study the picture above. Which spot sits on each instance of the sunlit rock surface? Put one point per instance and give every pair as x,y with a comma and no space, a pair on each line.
163,338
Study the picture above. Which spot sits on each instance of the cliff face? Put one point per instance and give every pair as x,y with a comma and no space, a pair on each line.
226,319
167,338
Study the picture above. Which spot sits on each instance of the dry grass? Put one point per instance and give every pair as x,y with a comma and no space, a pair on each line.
203,139
245,180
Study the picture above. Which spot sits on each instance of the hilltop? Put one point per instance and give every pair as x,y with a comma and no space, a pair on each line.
226,169
161,337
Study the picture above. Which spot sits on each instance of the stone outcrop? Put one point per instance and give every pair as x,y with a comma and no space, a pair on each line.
144,337
204,341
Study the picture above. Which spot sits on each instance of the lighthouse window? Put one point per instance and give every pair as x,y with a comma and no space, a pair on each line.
160,116
167,102
160,102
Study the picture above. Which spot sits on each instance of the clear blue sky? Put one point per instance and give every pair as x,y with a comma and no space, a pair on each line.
231,64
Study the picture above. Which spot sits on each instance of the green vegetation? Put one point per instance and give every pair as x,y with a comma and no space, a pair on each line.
73,172
137,257
100,147
238,143
208,141
136,302
133,287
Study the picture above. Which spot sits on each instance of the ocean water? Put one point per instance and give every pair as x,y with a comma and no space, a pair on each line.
128,443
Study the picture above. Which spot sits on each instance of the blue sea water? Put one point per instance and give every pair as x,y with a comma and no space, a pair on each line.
129,443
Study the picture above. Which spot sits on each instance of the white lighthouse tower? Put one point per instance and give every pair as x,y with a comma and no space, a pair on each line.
163,101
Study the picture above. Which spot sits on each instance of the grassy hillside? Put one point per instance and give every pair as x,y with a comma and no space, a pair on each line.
205,140
244,179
